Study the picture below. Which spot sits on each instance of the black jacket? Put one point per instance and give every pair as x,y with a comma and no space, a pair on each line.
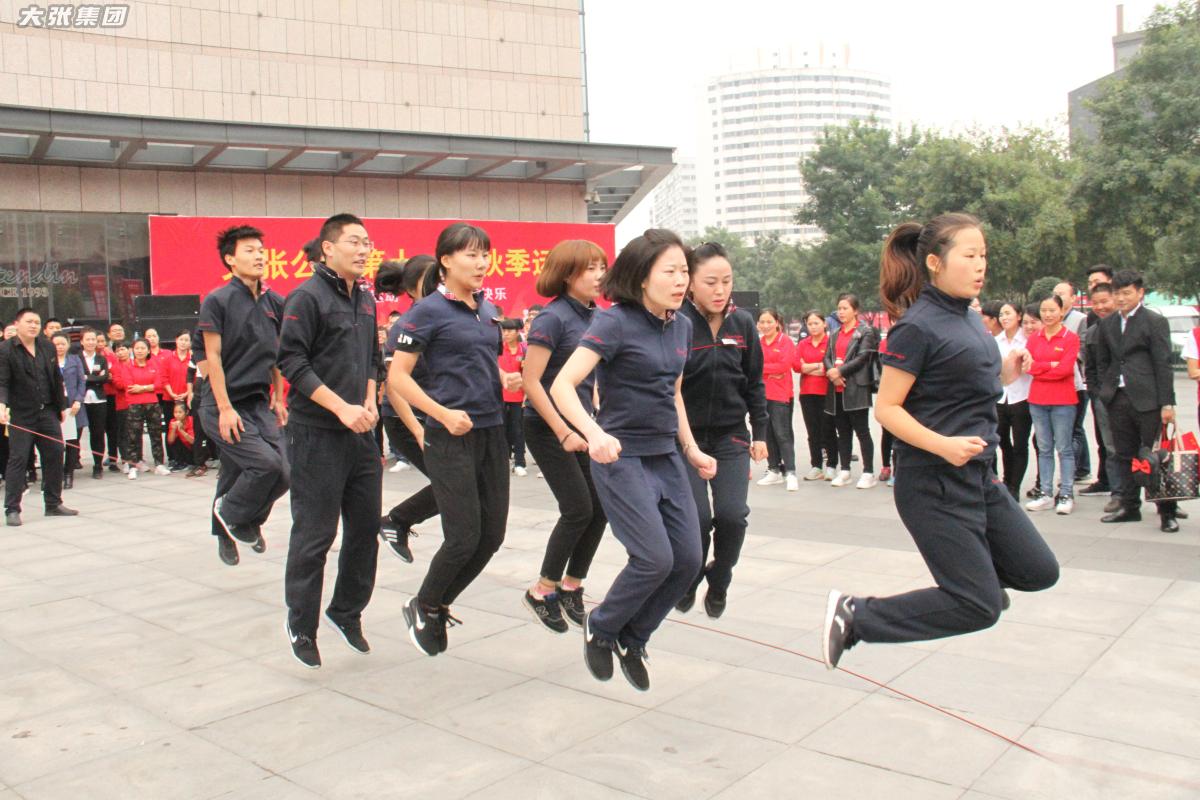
18,381
96,380
328,337
722,379
858,369
1142,354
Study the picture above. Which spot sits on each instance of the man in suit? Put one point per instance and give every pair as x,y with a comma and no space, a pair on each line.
1133,359
32,397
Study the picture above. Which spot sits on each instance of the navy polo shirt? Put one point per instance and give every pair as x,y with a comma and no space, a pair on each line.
943,343
642,356
419,373
249,330
459,345
558,328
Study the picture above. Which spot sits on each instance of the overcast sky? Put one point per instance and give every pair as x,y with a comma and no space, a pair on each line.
952,65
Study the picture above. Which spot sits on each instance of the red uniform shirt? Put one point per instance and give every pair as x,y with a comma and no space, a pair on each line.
810,352
148,374
841,345
188,429
1053,385
511,362
109,389
777,367
119,372
176,371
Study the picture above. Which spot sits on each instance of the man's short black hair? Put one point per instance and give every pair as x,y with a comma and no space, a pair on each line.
23,311
312,251
1128,277
1101,288
227,240
991,309
331,228
622,283
1104,269
48,320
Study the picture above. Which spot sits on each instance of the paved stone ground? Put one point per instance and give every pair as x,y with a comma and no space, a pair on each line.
134,664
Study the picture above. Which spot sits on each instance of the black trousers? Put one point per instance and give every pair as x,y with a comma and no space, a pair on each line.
113,428
1133,430
781,442
335,475
50,448
166,404
581,520
514,433
1014,427
975,539
204,447
469,474
723,520
423,504
822,439
97,414
254,470
856,422
886,445
1083,459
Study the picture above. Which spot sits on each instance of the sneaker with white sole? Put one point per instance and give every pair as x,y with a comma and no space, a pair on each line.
815,474
1043,503
304,648
838,631
770,479
792,484
399,466
842,479
132,474
867,481
1064,506
162,469
520,472
829,474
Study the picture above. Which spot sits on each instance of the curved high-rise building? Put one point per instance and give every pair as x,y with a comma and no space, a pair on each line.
762,123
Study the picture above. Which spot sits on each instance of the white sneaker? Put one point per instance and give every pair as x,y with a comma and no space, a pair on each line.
520,472
538,475
770,479
867,481
161,469
132,474
842,479
1041,504
1065,506
399,466
792,483
829,474
815,474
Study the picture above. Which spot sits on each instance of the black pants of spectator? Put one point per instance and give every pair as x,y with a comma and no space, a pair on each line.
1131,431
976,541
1014,427
647,501
204,447
469,474
71,460
179,452
1083,459
581,521
423,504
166,405
49,446
147,417
113,428
514,433
822,440
857,423
336,474
723,519
254,469
781,441
4,450
887,443
378,433
97,414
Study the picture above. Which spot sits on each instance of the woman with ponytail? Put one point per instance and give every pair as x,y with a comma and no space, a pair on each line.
937,394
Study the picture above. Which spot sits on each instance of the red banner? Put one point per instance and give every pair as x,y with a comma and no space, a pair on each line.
184,260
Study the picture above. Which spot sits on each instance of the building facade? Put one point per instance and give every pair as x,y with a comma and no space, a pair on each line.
674,202
762,123
1081,122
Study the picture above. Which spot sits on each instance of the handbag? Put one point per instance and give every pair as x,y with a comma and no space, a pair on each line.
1178,467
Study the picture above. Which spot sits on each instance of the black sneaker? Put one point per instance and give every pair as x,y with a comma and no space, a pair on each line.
1096,489
396,538
571,602
714,603
423,628
304,648
260,544
227,550
244,533
546,610
687,601
447,620
633,667
112,467
1034,492
1005,600
351,631
61,511
597,652
838,630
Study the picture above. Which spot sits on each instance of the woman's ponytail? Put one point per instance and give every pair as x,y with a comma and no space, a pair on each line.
900,275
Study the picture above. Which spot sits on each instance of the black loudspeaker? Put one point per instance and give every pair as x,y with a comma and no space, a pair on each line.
748,301
167,313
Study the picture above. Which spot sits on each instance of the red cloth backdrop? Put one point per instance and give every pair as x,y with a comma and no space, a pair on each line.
184,260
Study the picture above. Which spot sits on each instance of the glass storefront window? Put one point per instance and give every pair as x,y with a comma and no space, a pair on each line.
85,268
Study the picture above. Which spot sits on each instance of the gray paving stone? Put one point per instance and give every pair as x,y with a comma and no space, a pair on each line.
275,787
1151,665
39,691
1081,613
1022,645
425,687
541,782
213,694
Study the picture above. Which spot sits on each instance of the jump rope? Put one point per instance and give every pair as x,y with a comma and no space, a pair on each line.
1062,759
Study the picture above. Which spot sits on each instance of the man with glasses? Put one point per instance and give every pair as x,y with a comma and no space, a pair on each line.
329,353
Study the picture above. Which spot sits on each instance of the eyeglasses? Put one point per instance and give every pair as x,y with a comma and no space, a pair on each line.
356,243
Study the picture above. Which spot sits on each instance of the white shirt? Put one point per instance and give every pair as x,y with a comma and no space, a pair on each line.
1189,347
1018,390
1124,319
90,361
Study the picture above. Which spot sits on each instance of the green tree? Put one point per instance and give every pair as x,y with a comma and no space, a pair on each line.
1138,193
1042,288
